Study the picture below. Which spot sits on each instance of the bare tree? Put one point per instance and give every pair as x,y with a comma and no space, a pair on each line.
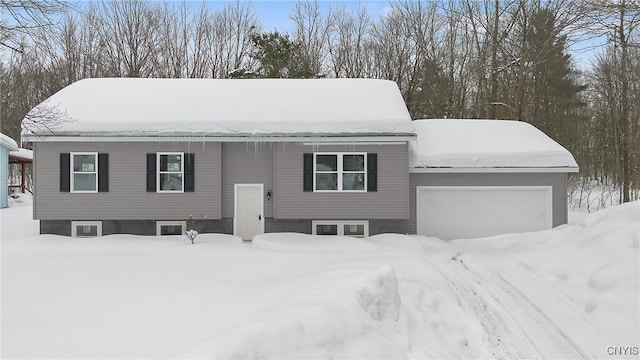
129,31
312,32
22,17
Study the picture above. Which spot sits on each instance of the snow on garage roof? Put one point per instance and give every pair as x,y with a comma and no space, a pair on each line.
22,154
8,142
457,143
226,107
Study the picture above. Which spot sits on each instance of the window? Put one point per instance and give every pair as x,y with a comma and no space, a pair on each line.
86,228
84,172
170,228
354,228
340,172
170,172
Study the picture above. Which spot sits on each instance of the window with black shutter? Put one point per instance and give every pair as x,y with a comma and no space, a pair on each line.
65,172
103,172
372,172
151,172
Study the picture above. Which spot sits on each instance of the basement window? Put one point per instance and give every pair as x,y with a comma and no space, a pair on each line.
170,228
354,228
86,228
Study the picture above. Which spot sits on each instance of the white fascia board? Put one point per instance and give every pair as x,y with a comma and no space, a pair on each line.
495,170
304,139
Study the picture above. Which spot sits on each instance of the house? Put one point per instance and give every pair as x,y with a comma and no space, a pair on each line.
321,156
7,145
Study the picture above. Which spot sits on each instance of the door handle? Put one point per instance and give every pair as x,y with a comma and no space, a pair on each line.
259,217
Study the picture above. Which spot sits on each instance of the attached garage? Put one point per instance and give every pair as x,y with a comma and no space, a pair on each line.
478,178
450,212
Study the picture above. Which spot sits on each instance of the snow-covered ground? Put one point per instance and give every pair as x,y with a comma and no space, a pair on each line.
570,292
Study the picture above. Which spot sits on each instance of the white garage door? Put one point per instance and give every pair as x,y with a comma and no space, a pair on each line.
455,212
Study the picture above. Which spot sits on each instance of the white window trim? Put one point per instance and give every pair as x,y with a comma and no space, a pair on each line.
72,172
158,172
340,224
75,224
160,224
340,171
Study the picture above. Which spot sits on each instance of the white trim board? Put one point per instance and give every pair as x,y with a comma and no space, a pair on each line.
493,170
333,140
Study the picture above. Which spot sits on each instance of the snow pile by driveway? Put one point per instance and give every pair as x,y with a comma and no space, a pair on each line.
570,292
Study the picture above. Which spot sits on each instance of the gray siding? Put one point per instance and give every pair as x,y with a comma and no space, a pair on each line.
389,202
557,180
246,163
127,197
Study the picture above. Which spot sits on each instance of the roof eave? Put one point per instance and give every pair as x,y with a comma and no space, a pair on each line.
307,138
539,169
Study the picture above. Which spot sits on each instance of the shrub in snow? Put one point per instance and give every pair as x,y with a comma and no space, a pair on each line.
194,227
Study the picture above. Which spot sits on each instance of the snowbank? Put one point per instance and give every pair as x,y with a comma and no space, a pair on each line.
224,107
461,143
594,263
568,292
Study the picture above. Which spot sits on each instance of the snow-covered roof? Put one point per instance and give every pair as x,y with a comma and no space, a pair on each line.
457,143
8,142
226,107
24,154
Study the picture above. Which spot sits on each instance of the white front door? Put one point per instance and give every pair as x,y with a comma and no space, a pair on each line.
248,218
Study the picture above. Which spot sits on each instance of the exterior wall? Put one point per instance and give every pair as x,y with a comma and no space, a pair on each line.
128,208
127,198
133,227
376,226
4,176
558,181
389,202
246,163
220,226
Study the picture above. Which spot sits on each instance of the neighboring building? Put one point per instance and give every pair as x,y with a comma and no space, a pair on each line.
7,145
321,156
21,160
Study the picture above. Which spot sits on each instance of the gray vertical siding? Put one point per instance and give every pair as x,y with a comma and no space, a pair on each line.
246,163
127,197
389,202
557,180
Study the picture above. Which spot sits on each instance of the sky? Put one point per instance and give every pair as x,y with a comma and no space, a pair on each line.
274,15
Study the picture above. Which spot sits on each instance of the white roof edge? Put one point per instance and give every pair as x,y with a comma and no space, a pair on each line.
21,153
304,139
8,142
441,170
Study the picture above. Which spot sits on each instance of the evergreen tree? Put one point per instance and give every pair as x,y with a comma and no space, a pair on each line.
279,57
554,96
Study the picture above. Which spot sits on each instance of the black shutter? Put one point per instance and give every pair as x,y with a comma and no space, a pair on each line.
65,172
372,172
189,177
308,172
103,172
151,172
